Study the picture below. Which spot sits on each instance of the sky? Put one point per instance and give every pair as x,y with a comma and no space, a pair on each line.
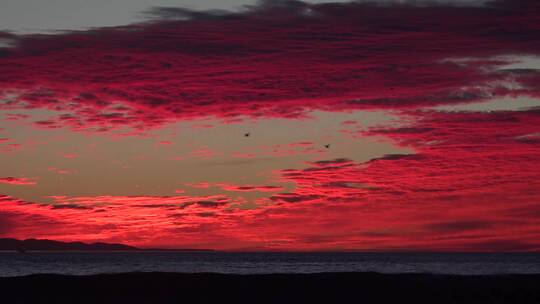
35,16
272,125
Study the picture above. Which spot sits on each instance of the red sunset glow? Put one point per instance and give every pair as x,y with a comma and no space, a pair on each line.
336,126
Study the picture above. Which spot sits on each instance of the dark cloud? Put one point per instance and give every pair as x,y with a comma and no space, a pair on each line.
70,206
294,198
504,245
156,206
228,187
339,56
6,223
399,156
204,204
18,181
334,162
514,4
426,3
178,13
458,226
4,52
343,184
210,204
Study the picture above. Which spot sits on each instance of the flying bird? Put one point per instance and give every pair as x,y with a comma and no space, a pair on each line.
327,146
247,134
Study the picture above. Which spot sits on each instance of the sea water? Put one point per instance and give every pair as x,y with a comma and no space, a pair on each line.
85,263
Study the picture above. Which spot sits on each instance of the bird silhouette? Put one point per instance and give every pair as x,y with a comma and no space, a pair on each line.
327,146
247,134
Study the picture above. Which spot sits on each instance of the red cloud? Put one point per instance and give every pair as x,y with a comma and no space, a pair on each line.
123,219
340,57
248,188
15,117
462,190
472,183
20,181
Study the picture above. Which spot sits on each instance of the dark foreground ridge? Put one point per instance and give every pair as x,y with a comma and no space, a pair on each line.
274,288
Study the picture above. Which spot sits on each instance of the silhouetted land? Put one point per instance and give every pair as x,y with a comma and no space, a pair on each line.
276,288
9,244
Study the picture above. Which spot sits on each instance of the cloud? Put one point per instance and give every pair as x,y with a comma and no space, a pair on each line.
178,13
70,206
15,117
332,163
459,189
210,204
301,144
6,223
249,188
331,56
398,157
502,245
109,218
457,226
294,197
19,181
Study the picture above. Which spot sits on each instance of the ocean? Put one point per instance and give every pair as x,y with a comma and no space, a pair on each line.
85,263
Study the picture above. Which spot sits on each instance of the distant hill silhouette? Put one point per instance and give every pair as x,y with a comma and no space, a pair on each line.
9,244
48,245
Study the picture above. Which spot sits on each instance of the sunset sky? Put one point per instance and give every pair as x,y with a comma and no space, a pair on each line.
272,125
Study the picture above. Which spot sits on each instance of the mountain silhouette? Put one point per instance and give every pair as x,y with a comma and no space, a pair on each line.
48,245
10,244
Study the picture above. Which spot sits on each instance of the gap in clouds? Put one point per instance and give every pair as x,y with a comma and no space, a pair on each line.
111,163
522,103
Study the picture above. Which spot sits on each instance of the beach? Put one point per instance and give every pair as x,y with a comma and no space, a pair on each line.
270,288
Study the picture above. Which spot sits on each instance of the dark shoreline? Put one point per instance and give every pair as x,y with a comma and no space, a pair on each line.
272,288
